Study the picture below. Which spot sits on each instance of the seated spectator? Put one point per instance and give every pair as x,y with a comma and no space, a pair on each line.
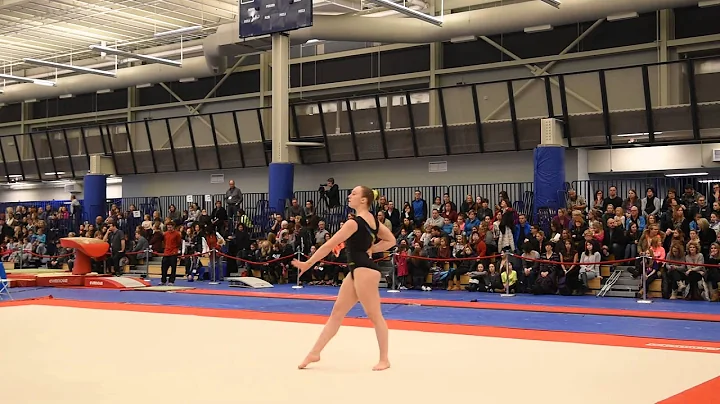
695,270
569,280
508,281
493,281
676,270
546,284
465,265
435,220
562,220
712,273
589,264
418,267
650,205
632,238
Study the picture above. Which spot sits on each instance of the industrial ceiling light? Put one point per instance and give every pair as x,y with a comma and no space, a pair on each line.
78,69
151,59
28,80
179,31
409,12
686,175
538,28
641,134
623,16
554,3
463,39
708,3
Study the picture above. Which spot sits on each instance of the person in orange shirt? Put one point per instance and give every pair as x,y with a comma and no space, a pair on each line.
173,240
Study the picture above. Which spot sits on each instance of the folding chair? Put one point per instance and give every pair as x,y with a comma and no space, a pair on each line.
4,283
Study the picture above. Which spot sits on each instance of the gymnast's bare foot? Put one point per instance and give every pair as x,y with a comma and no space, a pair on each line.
382,365
308,360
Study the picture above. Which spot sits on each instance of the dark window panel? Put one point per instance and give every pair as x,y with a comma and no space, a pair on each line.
240,83
403,61
469,53
193,90
633,31
540,44
345,93
78,104
43,109
153,96
337,70
295,75
11,113
695,21
118,99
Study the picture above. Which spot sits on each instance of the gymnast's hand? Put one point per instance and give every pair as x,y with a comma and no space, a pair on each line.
301,266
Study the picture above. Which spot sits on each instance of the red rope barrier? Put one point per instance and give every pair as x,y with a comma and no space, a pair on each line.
254,262
345,264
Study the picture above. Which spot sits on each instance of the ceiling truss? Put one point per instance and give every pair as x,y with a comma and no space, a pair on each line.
62,31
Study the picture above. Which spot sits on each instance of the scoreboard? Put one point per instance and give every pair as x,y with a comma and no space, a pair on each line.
263,17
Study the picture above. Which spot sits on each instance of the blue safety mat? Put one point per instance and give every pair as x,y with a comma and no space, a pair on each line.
638,327
661,305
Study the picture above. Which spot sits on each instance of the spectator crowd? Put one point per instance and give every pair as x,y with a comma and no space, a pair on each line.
496,247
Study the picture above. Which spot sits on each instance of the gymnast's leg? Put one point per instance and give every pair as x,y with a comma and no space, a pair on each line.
366,287
345,301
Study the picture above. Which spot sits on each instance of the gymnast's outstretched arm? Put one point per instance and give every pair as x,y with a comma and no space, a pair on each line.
343,234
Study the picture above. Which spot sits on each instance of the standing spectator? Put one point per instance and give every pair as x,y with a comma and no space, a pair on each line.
219,217
419,209
75,212
234,198
612,199
393,215
173,240
332,191
116,238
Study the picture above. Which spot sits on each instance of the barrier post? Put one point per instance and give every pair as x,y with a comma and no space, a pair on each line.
147,263
393,288
644,285
507,293
297,284
213,264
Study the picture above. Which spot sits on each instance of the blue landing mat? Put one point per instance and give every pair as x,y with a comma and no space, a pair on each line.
639,327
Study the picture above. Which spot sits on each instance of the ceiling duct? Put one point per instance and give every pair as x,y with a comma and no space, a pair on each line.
129,77
226,42
516,17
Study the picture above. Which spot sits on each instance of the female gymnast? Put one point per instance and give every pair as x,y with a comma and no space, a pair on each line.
364,236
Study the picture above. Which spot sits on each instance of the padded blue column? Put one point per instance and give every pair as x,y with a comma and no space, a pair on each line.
281,177
94,196
549,181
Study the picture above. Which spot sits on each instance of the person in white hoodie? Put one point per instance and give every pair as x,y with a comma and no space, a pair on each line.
589,264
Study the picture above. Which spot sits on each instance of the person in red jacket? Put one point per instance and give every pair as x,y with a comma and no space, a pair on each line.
173,241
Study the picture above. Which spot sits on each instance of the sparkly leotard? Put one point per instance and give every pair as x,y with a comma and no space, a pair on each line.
359,243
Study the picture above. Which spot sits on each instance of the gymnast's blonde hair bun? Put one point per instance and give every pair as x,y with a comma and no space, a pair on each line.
376,194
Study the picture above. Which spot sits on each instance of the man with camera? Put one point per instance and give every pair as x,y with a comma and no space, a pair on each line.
330,193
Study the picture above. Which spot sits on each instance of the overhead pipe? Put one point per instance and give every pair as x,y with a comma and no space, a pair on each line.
83,84
225,41
487,21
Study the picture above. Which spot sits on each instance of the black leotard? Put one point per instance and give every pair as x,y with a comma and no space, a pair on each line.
359,243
